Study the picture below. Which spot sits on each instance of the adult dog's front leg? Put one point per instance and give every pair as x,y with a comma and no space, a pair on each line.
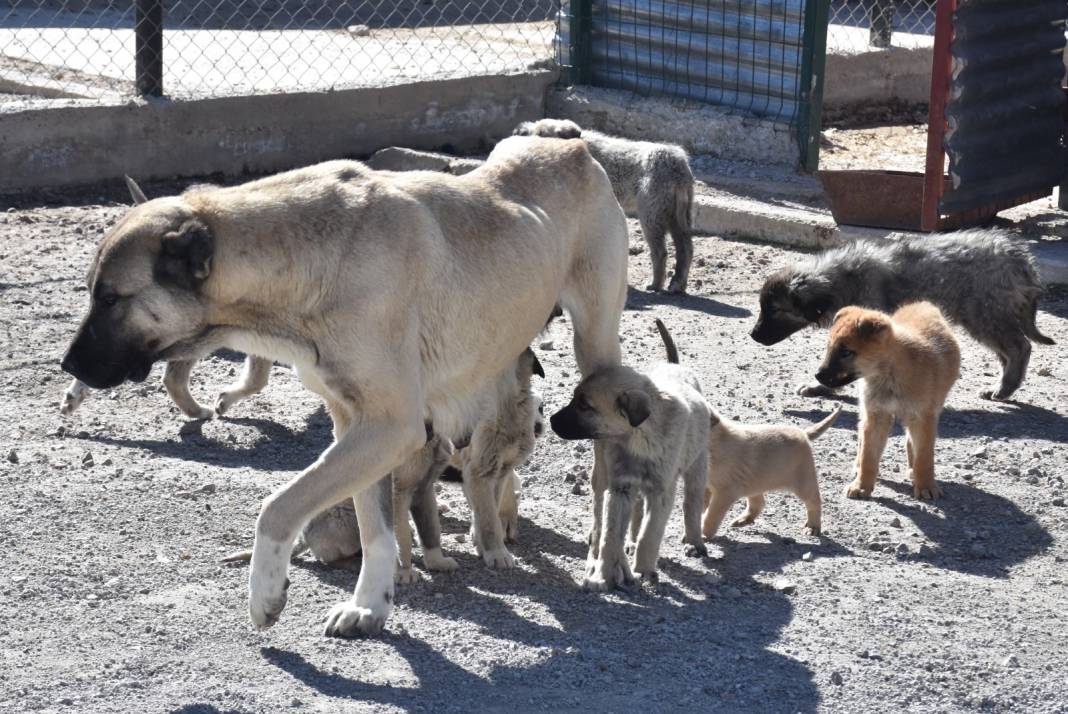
366,612
361,457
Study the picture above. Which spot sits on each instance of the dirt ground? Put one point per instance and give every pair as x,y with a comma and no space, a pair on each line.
113,600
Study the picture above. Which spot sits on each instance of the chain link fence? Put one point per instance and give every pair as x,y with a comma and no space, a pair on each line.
864,25
103,49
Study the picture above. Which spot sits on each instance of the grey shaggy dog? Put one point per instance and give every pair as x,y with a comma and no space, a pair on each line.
652,181
981,279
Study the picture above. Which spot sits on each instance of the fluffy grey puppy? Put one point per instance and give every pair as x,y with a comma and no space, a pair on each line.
981,279
652,181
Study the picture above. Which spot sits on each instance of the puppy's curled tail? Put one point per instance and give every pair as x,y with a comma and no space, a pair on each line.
1031,329
245,556
816,430
669,344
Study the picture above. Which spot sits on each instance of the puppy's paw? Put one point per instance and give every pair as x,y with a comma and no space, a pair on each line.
594,583
348,619
813,530
743,520
927,491
855,490
695,550
676,288
405,576
433,559
993,396
499,559
226,400
650,578
510,527
653,288
815,390
199,414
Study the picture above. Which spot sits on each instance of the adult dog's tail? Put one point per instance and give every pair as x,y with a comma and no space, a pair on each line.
816,430
669,344
245,556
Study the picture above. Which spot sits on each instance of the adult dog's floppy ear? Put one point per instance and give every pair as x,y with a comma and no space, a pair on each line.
185,255
635,405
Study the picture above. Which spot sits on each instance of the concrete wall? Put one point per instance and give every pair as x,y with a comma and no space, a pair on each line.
897,76
257,134
701,128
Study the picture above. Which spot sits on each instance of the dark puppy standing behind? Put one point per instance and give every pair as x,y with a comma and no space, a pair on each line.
981,279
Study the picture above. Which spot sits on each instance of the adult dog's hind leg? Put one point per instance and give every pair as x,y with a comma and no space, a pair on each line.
360,458
253,379
176,381
1014,352
372,602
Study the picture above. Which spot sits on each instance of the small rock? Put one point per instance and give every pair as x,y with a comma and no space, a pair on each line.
461,538
87,460
1057,501
895,523
547,346
732,591
807,557
577,489
569,477
784,586
1010,662
1044,372
296,702
902,548
980,452
61,430
13,456
184,494
356,31
208,488
836,679
713,579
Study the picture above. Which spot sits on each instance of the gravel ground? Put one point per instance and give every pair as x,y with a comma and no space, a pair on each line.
114,520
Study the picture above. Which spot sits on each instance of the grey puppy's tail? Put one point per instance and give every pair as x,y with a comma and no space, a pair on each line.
669,344
816,430
1031,329
245,556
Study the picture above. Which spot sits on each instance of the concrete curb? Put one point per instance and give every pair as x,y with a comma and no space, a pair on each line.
737,217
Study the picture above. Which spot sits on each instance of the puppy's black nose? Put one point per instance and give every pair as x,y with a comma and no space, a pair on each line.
824,377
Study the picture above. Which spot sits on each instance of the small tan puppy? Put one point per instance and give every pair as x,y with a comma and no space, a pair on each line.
909,362
654,427
749,461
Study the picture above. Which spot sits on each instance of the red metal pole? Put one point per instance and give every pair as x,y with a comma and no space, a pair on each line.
941,67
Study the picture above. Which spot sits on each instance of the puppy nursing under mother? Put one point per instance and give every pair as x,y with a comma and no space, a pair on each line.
292,268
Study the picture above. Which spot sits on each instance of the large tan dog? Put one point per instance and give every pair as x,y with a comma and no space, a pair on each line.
749,461
909,362
403,299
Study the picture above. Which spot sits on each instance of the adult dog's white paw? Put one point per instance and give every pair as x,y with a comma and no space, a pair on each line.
499,559
348,619
267,581
200,413
433,559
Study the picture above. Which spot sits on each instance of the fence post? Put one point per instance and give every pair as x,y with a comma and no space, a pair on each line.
882,22
810,99
148,47
581,41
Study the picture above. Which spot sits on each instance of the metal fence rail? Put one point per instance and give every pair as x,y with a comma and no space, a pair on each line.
863,25
204,48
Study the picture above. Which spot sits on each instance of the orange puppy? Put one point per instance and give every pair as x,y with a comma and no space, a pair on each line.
908,361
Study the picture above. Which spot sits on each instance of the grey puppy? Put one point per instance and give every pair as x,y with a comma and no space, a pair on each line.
981,279
655,427
650,180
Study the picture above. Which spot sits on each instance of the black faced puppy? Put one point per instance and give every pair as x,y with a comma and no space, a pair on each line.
654,426
982,280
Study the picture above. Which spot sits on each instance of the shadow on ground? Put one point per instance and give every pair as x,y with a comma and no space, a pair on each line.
642,300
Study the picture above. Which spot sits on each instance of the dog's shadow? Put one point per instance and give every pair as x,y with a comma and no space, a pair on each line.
642,300
1011,420
973,531
597,646
277,447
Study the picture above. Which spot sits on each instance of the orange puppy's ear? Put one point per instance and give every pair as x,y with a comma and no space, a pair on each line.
869,327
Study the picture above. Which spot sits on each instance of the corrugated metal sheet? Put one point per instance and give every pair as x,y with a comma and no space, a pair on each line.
745,55
1005,116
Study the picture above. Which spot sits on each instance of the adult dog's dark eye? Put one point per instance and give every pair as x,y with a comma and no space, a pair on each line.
108,300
